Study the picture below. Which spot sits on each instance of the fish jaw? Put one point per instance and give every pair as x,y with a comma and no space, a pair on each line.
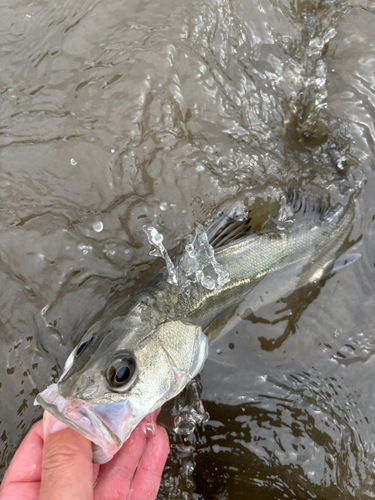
82,417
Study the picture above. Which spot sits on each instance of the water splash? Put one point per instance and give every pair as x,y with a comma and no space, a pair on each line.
309,113
198,263
156,239
188,413
285,216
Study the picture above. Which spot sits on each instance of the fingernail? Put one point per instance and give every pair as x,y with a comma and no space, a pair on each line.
51,424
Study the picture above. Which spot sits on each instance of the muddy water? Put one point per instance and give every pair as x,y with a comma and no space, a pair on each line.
118,114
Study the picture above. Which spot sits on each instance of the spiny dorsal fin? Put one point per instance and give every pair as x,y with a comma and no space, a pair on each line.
229,227
296,207
306,206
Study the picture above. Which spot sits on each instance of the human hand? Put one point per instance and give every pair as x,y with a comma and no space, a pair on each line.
54,462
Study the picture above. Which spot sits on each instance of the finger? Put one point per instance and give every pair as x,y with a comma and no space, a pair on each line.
116,476
67,464
22,479
150,419
26,463
51,424
146,482
95,473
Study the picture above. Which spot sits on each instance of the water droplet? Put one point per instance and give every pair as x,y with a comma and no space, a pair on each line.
84,248
110,252
218,351
199,168
164,206
208,282
113,150
158,238
150,428
73,161
98,226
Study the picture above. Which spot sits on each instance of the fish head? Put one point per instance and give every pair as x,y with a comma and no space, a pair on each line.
112,380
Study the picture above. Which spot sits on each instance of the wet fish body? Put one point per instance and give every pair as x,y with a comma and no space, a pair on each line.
129,365
269,264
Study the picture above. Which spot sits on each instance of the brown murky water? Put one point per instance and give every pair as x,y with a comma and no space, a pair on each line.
118,114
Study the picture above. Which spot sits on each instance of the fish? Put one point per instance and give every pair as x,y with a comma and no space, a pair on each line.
127,365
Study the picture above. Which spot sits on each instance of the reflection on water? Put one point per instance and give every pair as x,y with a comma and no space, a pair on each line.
118,115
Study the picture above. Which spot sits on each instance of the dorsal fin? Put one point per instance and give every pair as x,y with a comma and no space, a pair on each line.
296,207
229,227
306,206
299,205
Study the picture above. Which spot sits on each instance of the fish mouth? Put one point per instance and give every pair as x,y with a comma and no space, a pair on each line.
81,417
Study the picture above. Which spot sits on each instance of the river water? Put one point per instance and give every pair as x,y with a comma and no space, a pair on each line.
117,114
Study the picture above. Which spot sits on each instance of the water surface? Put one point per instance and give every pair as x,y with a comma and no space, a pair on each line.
114,115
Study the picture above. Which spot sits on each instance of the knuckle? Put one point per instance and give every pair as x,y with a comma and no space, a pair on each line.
151,473
60,457
124,471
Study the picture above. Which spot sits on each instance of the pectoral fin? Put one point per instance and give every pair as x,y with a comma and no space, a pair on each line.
344,260
335,265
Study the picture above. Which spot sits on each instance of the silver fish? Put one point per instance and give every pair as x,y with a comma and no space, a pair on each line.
127,366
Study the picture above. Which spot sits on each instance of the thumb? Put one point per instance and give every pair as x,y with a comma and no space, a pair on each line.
67,463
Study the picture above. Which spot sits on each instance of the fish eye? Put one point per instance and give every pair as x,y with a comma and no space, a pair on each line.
83,346
121,372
